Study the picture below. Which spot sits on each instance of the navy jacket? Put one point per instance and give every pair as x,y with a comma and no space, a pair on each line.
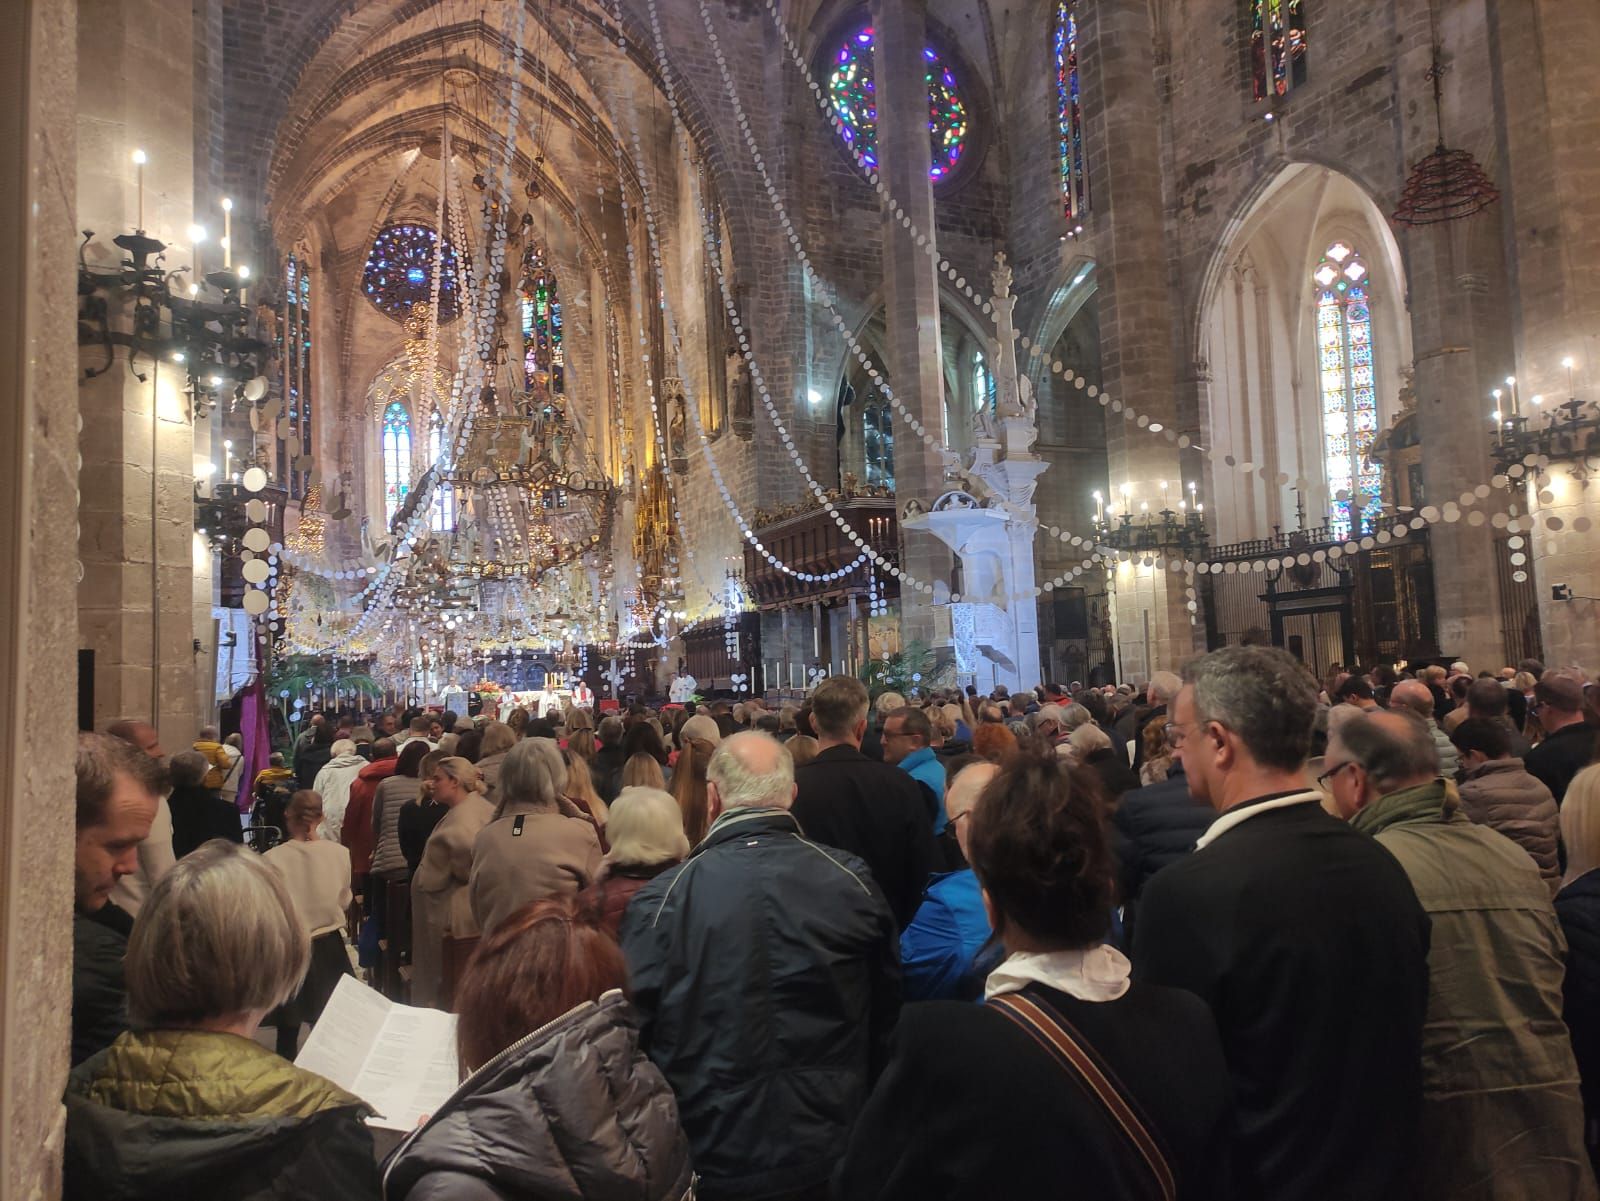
766,972
1156,825
1578,907
872,810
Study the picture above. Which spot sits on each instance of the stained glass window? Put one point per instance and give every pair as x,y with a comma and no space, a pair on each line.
878,443
982,383
544,358
444,496
854,96
294,344
1277,47
1069,113
399,271
396,459
1348,388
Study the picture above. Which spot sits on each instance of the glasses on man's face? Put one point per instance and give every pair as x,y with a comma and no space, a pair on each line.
1174,735
1322,780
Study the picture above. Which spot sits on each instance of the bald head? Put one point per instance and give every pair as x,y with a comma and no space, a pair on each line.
1394,749
1413,695
967,787
751,770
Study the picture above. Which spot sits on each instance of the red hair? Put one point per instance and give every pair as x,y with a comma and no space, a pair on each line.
545,959
994,742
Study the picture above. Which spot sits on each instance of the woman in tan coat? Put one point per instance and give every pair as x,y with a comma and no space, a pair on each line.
439,903
532,849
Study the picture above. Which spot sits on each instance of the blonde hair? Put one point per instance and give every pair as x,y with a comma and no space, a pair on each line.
462,771
497,737
344,746
218,937
642,770
646,828
304,809
887,703
580,784
802,749
1580,823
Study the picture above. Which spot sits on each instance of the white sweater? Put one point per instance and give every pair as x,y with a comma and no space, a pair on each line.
318,876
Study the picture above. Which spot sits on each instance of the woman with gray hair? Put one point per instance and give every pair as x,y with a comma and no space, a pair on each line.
646,834
333,785
187,1103
534,848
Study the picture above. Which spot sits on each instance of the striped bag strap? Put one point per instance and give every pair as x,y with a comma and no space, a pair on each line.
1055,1036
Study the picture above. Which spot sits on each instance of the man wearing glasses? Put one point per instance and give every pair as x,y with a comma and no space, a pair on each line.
1304,937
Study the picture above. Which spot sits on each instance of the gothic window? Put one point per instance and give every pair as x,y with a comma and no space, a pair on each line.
396,459
444,497
878,443
1069,113
1349,394
854,98
1277,47
399,271
982,383
544,360
295,348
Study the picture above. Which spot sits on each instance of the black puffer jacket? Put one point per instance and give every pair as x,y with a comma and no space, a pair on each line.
1578,907
767,971
1156,825
573,1112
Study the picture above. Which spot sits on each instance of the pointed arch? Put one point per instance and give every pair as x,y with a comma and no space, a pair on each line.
396,441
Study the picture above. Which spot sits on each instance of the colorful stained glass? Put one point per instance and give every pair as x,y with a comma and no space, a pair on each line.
1277,47
1069,113
294,344
396,458
399,271
854,97
544,358
1349,398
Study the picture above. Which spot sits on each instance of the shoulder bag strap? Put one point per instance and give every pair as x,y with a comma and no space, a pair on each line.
1052,1033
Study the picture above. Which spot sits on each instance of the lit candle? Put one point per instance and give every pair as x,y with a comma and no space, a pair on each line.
1163,494
1099,507
1511,382
227,232
1568,364
244,275
138,175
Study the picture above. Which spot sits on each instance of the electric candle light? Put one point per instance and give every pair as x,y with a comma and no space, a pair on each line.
138,174
1099,507
1511,382
227,232
1163,494
1568,364
197,235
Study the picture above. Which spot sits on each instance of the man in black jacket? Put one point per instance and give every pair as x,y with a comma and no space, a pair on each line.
1304,937
1569,742
863,806
117,790
766,972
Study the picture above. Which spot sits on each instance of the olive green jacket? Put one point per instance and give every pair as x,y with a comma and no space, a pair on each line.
1502,1119
189,1113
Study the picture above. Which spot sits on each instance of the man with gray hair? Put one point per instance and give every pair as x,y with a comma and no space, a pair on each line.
1304,937
1501,1111
766,972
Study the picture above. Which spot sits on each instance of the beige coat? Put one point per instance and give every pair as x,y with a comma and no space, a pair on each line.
439,894
527,854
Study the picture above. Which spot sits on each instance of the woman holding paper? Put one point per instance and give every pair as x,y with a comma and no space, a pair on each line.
439,904
187,1103
317,873
561,1101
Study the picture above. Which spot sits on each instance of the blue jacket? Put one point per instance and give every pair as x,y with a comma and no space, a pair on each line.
924,767
940,949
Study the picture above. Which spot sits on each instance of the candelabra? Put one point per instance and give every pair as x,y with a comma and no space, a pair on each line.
1167,533
1569,432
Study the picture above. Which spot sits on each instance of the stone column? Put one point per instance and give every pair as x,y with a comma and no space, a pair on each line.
38,564
1136,313
137,541
911,286
1549,128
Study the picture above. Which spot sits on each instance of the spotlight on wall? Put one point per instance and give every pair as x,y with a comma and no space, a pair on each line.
814,396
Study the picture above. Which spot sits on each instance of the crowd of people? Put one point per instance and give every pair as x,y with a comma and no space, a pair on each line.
1239,933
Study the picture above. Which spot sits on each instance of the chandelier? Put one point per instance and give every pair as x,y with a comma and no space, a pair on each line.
1444,185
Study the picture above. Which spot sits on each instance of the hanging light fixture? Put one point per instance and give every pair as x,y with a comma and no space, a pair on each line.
1444,185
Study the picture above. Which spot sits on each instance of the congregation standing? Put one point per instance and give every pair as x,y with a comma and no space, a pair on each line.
1235,933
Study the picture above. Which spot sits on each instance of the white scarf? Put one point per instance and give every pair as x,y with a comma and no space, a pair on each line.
1097,973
